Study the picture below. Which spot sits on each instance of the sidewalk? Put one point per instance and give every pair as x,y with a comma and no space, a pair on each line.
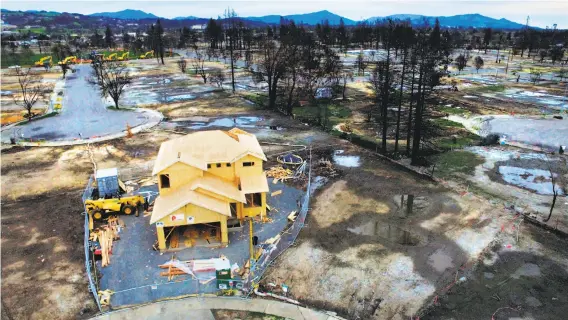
200,308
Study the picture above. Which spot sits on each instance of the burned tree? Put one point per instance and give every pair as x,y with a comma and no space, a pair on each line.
478,62
461,62
112,78
218,78
198,64
31,89
182,65
271,67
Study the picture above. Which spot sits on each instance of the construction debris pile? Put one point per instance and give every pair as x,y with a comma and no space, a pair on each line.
206,270
325,168
101,239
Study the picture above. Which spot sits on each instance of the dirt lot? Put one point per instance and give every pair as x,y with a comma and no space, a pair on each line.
365,255
43,269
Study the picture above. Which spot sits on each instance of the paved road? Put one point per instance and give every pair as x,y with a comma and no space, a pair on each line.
548,133
84,115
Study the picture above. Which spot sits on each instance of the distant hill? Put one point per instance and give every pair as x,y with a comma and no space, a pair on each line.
187,18
127,14
305,18
462,20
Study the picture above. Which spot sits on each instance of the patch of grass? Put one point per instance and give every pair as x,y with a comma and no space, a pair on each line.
452,162
447,123
450,143
47,115
491,88
450,110
258,99
335,113
32,30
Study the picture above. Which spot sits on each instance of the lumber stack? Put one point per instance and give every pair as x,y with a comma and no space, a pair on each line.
105,236
279,173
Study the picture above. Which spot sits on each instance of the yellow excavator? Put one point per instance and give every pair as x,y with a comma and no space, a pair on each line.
111,57
147,55
41,62
68,60
124,56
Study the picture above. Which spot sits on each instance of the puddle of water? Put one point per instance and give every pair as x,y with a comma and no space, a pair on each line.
245,122
536,180
540,97
386,231
346,161
409,204
136,98
470,97
180,97
317,183
480,79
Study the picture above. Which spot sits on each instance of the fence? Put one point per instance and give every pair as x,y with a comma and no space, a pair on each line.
88,261
287,238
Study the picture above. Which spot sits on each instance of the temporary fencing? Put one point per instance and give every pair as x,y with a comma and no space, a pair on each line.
89,261
287,239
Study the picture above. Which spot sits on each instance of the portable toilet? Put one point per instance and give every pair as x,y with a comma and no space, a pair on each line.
107,182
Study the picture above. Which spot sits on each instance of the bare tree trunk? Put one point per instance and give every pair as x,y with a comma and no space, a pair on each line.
409,128
409,203
418,123
551,206
400,101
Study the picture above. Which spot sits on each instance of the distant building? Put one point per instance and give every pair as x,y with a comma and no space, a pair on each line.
324,93
7,26
198,27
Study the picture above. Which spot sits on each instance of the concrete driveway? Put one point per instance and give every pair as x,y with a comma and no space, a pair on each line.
84,115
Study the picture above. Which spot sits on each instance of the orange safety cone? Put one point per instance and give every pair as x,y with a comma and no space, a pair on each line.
129,133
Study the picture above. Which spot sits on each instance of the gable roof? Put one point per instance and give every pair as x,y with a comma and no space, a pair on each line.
219,186
203,147
167,204
254,183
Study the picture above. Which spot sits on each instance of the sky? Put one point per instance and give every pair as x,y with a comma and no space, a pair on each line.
542,13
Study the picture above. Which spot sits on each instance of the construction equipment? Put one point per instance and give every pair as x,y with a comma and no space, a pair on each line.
41,62
111,57
124,56
109,197
68,60
147,55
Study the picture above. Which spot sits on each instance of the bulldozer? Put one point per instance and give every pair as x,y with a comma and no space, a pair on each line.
147,55
41,62
109,197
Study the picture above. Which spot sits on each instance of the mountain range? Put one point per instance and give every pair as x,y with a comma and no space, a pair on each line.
306,18
127,14
462,20
50,17
313,18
